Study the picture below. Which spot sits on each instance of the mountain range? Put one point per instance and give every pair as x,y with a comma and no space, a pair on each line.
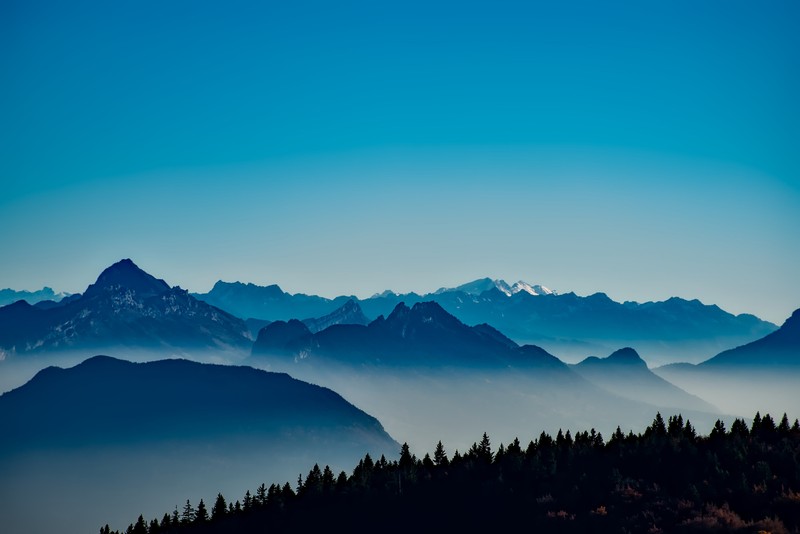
762,375
9,296
125,307
422,335
129,307
567,324
427,374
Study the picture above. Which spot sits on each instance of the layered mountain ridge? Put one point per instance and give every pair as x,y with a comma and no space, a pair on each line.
567,324
125,307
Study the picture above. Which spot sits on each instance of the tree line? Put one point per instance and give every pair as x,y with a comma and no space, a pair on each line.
665,479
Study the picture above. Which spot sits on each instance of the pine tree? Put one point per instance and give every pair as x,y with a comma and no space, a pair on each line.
783,427
440,456
140,527
202,514
406,461
247,504
327,479
658,428
718,431
485,449
220,508
261,496
188,514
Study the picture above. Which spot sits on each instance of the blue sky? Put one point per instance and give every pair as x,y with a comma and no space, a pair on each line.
641,149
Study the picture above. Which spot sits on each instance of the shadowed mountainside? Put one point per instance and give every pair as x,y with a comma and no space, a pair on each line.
567,324
159,431
627,375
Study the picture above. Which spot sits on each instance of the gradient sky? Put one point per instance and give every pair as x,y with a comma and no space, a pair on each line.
643,149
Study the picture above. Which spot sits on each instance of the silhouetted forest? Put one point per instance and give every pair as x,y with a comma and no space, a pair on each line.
666,479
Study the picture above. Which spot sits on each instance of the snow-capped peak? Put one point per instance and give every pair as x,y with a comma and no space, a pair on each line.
535,290
477,287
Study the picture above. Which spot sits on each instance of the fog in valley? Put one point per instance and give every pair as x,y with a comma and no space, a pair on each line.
418,405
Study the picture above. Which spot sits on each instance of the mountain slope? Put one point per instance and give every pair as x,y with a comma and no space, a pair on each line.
349,313
624,373
423,335
759,376
162,432
124,307
778,349
567,324
106,400
267,302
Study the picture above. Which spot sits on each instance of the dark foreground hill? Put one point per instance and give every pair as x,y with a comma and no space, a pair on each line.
160,430
667,479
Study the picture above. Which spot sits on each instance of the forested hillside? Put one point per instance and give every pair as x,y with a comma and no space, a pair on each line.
666,479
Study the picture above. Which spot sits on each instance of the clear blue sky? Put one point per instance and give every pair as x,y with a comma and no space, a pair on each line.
644,149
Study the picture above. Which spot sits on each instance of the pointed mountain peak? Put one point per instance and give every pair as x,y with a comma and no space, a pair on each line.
126,274
348,313
793,322
399,311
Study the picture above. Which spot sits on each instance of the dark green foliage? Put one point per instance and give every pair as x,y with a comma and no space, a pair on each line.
667,479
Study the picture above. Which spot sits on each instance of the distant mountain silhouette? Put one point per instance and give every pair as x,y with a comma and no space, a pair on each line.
91,437
349,313
426,372
778,349
762,375
105,400
125,307
9,296
626,374
424,334
267,302
566,323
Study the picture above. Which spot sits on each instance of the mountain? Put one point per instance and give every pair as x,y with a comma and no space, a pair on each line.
349,313
570,325
9,296
429,376
779,349
482,285
422,335
267,302
105,400
763,375
124,307
626,374
161,432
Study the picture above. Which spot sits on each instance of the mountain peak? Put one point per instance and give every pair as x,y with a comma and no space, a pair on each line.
481,285
128,275
626,356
